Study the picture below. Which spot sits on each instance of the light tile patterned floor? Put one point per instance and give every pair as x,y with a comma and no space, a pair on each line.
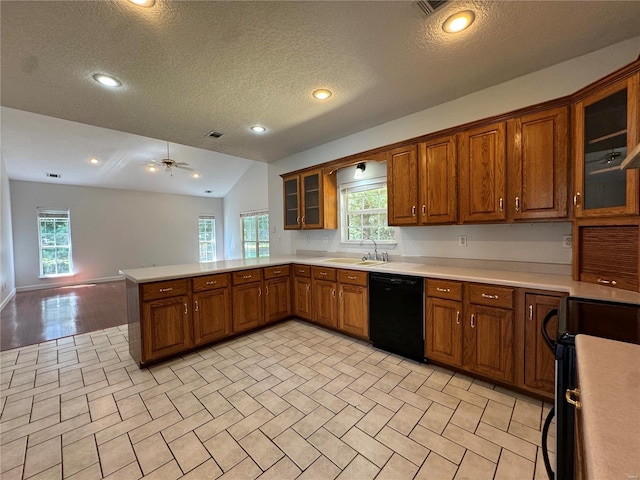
290,401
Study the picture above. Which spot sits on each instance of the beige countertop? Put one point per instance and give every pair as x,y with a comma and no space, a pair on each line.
609,380
541,281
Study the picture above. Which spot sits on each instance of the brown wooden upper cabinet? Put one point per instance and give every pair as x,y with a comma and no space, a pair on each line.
538,165
310,200
402,185
606,126
483,189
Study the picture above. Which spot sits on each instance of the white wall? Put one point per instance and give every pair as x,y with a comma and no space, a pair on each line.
250,193
7,273
522,242
110,229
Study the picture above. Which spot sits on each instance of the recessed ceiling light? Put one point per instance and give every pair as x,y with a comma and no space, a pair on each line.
107,80
258,129
458,21
94,161
152,169
143,3
195,175
322,93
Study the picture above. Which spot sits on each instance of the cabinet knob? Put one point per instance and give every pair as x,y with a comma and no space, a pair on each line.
501,203
195,307
276,272
212,282
488,295
246,276
324,274
185,309
333,292
603,281
443,289
531,312
259,292
340,293
424,210
473,320
517,204
163,290
413,211
576,199
351,277
458,317
308,287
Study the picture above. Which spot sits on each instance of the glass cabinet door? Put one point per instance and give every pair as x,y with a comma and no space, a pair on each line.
604,132
312,200
292,202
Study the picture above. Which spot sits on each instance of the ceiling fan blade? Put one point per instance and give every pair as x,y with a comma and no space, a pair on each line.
185,168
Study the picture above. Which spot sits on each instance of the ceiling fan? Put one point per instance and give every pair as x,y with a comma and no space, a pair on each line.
168,163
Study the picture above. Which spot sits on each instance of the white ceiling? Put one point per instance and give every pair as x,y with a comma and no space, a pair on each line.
191,67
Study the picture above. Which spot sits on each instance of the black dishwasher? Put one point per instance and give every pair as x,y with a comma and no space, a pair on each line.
396,314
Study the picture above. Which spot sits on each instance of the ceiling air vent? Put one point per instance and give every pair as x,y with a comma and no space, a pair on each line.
214,134
53,175
430,6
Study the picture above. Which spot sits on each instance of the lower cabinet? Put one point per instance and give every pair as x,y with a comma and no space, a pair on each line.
277,293
248,310
325,300
166,327
443,331
211,308
353,303
302,299
539,361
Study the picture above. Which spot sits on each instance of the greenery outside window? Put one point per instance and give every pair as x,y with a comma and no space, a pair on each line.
207,238
364,212
255,234
54,241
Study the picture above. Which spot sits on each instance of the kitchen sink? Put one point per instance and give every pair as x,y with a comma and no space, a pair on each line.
353,261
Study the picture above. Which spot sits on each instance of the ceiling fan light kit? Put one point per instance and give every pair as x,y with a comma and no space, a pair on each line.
168,164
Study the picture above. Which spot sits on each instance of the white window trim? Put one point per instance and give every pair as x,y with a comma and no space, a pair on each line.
343,212
206,216
66,212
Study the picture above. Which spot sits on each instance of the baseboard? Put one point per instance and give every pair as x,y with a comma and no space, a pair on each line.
68,284
12,294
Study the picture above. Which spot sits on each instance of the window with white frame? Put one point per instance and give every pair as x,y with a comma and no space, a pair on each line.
255,234
54,241
364,211
207,237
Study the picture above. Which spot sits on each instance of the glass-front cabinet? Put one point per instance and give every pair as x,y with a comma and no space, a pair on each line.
310,200
292,202
606,128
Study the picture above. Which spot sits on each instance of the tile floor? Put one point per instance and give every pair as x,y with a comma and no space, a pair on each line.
289,401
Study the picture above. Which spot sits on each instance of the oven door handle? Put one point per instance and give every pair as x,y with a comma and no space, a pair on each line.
545,448
545,322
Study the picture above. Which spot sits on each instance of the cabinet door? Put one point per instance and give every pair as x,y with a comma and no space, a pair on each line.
292,197
607,126
312,199
443,329
489,342
483,174
437,181
211,315
248,311
302,297
538,169
277,299
402,186
353,312
539,361
166,327
325,305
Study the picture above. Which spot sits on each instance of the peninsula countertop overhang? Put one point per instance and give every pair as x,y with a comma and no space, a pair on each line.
538,281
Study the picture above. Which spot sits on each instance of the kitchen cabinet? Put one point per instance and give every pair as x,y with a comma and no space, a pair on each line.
302,299
310,200
353,303
437,181
489,333
248,309
606,127
538,150
482,159
277,293
211,308
166,319
325,302
539,361
443,322
402,186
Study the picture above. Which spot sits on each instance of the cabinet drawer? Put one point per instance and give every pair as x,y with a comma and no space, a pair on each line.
491,296
302,270
276,272
444,289
209,282
166,289
322,273
247,276
352,277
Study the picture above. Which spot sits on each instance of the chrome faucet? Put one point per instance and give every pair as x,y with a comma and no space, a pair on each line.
375,248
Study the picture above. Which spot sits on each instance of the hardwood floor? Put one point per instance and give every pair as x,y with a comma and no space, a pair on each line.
40,315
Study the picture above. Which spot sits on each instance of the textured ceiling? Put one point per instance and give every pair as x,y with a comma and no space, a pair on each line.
191,67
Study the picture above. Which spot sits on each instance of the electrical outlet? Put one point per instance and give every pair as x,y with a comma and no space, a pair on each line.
325,239
567,241
308,238
462,240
